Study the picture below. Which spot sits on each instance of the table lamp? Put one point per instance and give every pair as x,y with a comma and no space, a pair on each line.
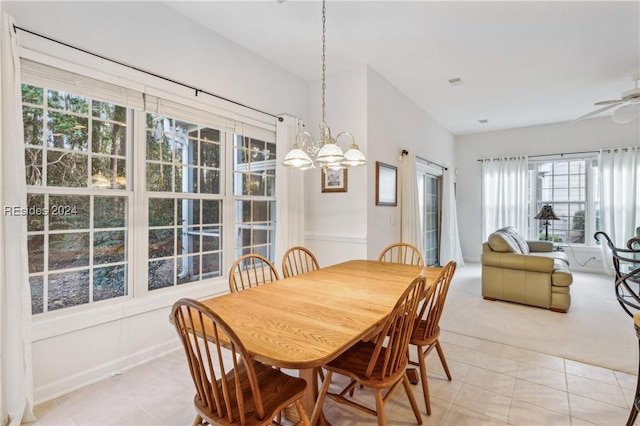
546,214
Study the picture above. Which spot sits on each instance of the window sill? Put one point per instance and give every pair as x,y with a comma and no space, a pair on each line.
57,323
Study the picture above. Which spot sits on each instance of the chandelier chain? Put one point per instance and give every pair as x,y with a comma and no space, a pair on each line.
324,61
326,150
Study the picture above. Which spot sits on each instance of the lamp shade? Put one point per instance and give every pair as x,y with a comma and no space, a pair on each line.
297,158
546,213
330,153
353,157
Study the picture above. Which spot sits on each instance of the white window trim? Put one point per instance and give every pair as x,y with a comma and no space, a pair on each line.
257,124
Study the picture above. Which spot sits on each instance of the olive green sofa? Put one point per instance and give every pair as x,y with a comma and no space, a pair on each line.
527,272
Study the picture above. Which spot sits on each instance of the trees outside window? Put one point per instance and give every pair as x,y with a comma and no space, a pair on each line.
86,186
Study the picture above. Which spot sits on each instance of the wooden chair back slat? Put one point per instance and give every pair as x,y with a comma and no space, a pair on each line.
298,260
393,340
402,253
433,304
209,363
250,271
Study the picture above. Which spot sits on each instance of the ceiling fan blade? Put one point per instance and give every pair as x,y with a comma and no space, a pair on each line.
617,101
598,111
626,114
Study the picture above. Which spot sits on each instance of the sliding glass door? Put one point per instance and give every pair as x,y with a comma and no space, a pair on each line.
430,190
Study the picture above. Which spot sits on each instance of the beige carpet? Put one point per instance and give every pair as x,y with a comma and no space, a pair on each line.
595,330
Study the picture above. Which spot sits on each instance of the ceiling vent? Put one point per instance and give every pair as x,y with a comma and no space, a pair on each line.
456,81
483,121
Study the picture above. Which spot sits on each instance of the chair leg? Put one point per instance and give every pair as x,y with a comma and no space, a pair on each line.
632,415
423,378
321,374
198,420
412,398
317,409
442,359
636,400
382,421
304,420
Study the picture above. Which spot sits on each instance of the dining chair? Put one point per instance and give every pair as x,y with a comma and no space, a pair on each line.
298,260
626,263
427,329
231,387
251,270
379,363
402,253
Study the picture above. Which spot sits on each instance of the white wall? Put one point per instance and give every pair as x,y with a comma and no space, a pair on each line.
587,135
152,37
336,222
395,123
342,226
155,38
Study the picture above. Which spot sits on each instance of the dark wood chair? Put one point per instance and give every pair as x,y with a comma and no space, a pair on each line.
402,253
626,262
427,331
298,260
231,387
379,363
251,270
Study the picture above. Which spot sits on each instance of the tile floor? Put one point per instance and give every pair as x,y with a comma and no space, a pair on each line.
493,384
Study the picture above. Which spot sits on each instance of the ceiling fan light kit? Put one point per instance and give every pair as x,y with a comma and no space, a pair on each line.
628,106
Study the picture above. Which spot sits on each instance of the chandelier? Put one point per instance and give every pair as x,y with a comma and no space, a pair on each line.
326,151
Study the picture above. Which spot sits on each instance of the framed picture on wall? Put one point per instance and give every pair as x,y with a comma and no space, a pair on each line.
334,180
386,185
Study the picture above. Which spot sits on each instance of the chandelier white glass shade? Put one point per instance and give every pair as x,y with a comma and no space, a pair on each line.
326,151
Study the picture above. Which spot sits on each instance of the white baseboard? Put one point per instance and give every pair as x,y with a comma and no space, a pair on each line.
84,378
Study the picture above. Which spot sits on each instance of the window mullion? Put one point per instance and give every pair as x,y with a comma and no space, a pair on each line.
139,214
229,203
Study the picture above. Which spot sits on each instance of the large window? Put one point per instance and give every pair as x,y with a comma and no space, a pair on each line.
200,189
185,230
254,167
568,185
75,158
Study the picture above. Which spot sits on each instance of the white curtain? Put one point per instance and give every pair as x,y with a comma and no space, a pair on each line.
504,194
450,239
289,191
410,226
619,197
15,303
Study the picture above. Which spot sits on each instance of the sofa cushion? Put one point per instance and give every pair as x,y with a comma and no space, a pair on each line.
522,244
540,246
508,240
503,242
555,255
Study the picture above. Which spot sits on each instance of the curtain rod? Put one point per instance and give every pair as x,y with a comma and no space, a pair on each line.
552,155
405,152
195,89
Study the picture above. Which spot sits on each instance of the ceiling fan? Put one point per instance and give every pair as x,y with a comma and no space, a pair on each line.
628,106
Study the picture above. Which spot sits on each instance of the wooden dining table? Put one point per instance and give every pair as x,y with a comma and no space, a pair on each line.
305,321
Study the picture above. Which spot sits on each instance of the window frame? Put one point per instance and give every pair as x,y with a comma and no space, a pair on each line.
590,200
138,299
